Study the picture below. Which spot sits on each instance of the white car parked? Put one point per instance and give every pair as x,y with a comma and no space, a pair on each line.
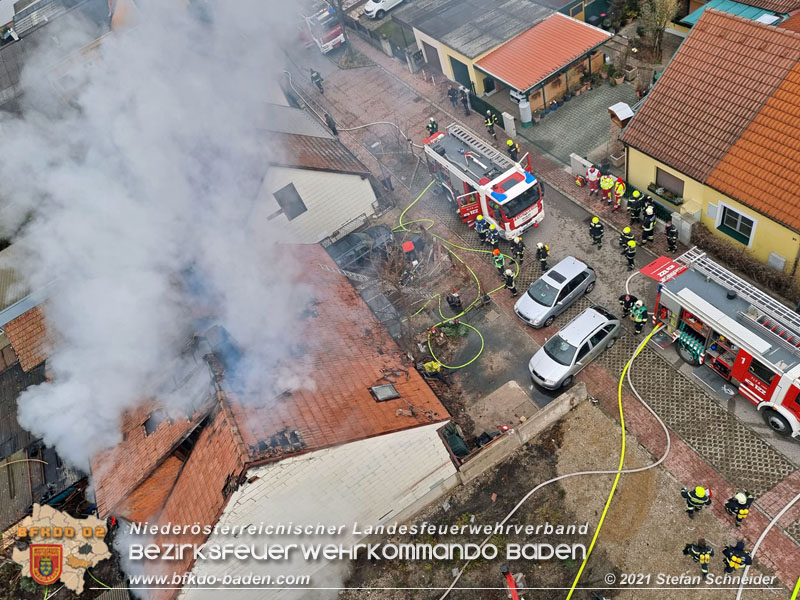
375,9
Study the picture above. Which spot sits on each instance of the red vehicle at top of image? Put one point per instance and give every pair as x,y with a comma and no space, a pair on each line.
322,26
483,181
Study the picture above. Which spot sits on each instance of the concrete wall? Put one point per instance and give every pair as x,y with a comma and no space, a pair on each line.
706,204
334,202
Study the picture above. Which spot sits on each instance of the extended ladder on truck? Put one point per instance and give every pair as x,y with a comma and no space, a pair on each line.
776,319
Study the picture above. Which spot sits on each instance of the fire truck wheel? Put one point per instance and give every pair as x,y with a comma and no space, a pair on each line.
687,356
777,422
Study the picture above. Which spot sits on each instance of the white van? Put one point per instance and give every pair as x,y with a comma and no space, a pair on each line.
375,9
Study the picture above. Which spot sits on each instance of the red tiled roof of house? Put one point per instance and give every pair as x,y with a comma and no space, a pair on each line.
349,351
28,337
759,169
311,152
716,84
792,23
541,51
778,6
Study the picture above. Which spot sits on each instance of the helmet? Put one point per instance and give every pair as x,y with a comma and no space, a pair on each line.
517,240
740,545
698,491
489,113
509,272
636,193
631,244
492,226
496,252
619,179
540,245
626,230
741,498
480,218
649,210
509,143
431,119
595,220
640,303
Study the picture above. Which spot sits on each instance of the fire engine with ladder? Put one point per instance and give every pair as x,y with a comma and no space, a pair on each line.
745,336
480,180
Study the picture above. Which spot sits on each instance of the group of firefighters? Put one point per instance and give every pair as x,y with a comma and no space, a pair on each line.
734,556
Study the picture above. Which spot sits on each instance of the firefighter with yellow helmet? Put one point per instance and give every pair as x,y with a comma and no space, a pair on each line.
739,506
481,227
696,499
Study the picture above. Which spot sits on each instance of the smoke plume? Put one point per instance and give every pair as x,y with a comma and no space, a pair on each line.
132,185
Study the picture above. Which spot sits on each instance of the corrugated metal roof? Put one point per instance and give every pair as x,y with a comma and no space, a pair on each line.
287,119
544,49
471,27
730,7
12,285
716,84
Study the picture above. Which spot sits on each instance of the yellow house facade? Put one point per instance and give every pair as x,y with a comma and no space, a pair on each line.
449,60
768,241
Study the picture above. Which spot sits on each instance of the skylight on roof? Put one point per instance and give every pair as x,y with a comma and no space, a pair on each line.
384,392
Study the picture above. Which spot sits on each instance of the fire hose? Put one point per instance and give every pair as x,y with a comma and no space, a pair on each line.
618,472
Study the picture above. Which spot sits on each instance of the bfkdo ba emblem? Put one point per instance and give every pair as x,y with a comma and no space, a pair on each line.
46,563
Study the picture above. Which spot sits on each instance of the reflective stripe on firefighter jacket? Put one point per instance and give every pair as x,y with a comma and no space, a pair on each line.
481,226
543,252
492,236
606,182
639,314
624,238
649,223
693,498
671,232
596,230
619,190
499,261
592,174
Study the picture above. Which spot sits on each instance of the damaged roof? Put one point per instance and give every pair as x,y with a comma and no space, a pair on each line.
28,337
726,112
471,27
316,153
141,475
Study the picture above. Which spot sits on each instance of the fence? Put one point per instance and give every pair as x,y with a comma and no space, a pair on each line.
481,106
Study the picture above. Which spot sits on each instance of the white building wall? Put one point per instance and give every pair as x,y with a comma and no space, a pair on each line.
364,482
334,202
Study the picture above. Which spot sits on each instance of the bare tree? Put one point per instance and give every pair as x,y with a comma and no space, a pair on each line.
339,6
655,16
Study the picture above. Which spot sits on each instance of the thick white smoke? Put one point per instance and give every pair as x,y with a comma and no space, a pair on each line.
148,172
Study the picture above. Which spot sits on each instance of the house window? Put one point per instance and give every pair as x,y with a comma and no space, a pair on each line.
290,201
736,225
576,10
669,182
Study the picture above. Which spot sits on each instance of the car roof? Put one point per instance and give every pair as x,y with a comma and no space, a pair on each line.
584,325
569,267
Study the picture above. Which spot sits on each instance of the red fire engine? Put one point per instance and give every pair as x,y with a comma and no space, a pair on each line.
483,181
323,26
748,338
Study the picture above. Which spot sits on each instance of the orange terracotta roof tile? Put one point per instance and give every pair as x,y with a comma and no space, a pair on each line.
778,6
716,84
28,338
758,170
310,152
541,51
792,23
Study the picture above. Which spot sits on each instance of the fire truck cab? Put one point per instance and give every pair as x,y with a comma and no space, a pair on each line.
748,338
480,180
322,25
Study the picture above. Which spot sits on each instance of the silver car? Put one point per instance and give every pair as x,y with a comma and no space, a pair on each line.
577,344
554,291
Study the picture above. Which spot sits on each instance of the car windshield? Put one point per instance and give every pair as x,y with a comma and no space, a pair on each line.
542,292
525,200
559,350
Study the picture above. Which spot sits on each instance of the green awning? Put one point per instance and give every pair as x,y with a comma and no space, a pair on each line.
734,8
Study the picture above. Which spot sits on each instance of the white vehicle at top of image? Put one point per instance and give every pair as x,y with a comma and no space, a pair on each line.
376,9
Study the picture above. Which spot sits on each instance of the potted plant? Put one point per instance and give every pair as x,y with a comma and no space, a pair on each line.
619,77
607,71
630,16
537,115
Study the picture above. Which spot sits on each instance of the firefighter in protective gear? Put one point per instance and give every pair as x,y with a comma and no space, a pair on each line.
619,192
696,499
635,206
648,225
510,282
513,150
639,317
593,179
481,227
629,252
739,506
627,301
432,126
493,236
736,557
701,553
499,261
625,237
490,122
596,230
606,183
518,249
317,80
672,236
542,253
